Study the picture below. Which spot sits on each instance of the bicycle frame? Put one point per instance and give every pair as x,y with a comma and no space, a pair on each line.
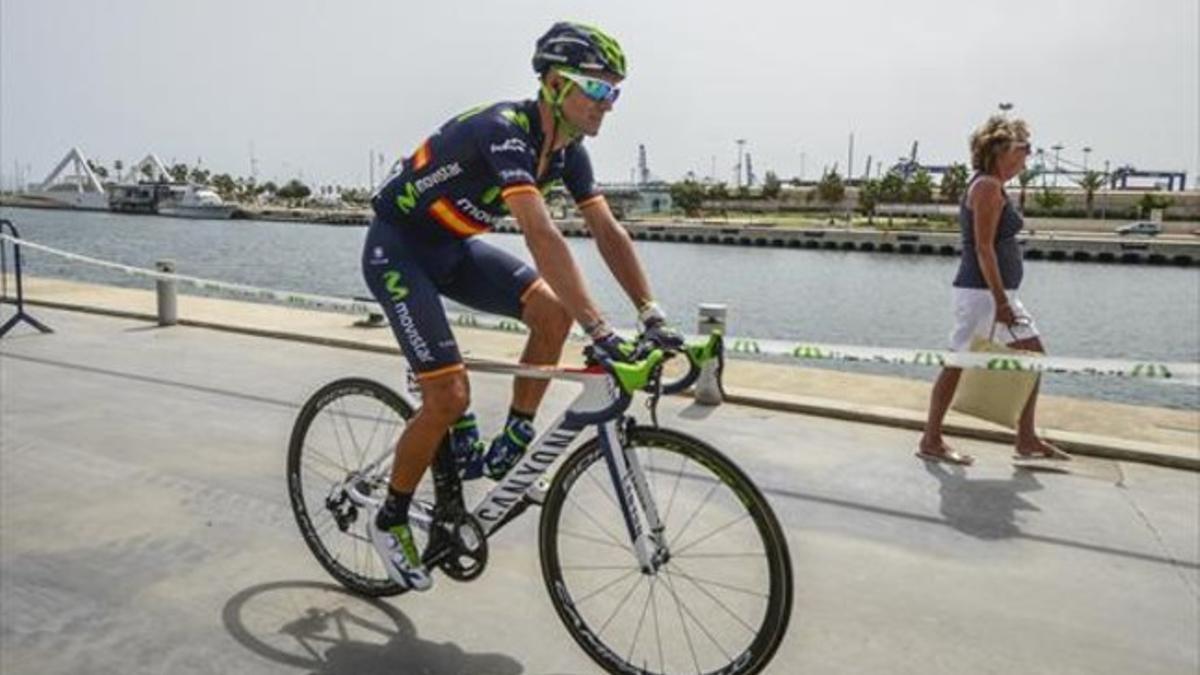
601,404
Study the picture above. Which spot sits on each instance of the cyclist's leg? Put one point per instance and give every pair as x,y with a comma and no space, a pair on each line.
394,269
489,279
492,280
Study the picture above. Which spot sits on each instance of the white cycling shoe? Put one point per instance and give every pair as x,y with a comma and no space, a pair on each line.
400,557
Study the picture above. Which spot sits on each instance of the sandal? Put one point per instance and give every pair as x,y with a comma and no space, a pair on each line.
948,456
1047,452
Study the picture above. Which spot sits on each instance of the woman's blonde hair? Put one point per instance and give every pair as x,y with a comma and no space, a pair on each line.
992,138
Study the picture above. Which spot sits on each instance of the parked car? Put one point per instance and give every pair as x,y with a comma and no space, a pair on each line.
1146,227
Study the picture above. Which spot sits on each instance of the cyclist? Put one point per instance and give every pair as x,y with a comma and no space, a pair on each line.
487,162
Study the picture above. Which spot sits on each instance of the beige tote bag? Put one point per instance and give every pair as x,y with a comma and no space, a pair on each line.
999,392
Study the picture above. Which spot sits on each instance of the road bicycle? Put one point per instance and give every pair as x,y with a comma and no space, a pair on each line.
658,552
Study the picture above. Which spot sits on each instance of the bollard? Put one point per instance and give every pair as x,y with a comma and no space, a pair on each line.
708,385
166,294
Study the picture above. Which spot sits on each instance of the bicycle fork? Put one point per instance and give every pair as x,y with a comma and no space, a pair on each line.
635,499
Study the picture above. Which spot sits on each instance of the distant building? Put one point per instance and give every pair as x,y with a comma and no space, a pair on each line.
630,199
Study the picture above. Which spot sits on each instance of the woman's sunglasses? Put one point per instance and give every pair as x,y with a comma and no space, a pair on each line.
600,91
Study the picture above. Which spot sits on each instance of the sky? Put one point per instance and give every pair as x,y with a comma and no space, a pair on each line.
310,89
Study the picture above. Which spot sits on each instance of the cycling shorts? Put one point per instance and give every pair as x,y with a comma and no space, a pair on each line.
408,273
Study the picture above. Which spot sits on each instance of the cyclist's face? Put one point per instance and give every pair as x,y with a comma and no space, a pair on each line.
584,113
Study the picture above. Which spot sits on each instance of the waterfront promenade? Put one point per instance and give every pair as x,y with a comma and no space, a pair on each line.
144,527
1111,429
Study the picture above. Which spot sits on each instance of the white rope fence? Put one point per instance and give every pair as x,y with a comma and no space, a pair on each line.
735,346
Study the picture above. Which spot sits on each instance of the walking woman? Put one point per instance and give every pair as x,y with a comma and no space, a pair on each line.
985,288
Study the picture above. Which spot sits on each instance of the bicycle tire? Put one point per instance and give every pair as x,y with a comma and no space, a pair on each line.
775,611
322,540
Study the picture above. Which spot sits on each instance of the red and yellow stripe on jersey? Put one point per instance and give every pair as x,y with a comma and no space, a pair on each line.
459,223
517,189
422,156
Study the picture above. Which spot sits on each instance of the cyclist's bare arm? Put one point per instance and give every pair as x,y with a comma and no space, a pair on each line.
552,256
616,248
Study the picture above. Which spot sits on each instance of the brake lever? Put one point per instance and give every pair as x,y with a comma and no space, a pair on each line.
654,388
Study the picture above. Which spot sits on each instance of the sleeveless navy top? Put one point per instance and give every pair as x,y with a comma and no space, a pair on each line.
1008,250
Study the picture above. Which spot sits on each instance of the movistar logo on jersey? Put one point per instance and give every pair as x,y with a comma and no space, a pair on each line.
518,118
396,290
406,200
510,145
468,207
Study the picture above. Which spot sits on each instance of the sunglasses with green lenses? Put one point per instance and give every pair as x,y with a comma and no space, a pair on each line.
598,90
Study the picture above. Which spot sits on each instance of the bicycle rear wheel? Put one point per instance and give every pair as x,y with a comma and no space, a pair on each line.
343,429
722,600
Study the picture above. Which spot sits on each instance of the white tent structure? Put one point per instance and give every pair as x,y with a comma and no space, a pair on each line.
73,183
151,168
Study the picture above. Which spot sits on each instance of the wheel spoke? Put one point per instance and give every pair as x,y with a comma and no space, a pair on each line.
683,622
719,584
600,487
349,427
718,555
637,631
675,487
605,587
587,514
595,540
596,568
717,600
711,534
695,513
620,605
692,615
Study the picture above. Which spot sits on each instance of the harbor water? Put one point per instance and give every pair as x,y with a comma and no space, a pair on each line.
1082,310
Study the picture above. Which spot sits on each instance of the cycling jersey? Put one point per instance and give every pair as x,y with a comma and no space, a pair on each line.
455,183
422,245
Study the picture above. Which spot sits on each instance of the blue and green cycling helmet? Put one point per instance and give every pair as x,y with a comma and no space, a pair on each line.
577,47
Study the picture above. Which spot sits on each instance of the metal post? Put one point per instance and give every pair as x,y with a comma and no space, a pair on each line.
167,315
708,385
21,314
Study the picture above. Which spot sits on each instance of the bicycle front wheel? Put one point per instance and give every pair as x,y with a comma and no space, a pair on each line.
342,440
721,601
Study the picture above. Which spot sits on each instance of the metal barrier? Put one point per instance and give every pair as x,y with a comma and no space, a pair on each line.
21,314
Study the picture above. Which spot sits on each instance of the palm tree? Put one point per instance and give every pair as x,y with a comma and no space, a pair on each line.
868,198
954,182
920,188
1024,179
1091,181
831,189
891,190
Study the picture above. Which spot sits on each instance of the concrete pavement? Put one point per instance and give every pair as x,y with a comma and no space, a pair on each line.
144,528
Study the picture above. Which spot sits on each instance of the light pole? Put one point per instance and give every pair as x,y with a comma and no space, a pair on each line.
1057,147
1107,186
1087,150
1005,107
741,143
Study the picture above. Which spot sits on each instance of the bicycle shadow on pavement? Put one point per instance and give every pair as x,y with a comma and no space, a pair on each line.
984,508
325,629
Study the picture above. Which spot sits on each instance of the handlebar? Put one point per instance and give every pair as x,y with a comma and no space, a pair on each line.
643,369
